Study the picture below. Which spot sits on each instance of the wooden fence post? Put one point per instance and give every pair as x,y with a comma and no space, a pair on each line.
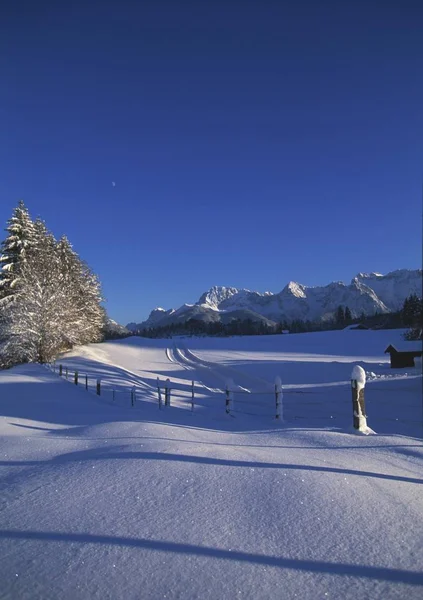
86,382
98,387
159,393
192,396
278,398
66,372
355,404
60,370
75,378
358,383
167,392
133,396
113,395
229,396
228,400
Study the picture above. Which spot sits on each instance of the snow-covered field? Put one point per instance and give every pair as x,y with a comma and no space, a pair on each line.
103,500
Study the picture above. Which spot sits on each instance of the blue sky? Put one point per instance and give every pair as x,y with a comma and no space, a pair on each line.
251,143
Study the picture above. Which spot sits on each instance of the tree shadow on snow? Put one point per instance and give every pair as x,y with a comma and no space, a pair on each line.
310,566
120,453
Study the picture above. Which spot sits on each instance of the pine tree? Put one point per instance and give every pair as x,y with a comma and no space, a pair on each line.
92,324
412,311
14,249
347,316
33,319
340,316
85,317
405,312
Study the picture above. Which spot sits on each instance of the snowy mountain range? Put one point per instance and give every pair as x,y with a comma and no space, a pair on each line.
367,293
112,329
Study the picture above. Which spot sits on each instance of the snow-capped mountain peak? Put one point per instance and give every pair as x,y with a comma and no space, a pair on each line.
368,275
394,287
216,295
367,293
296,289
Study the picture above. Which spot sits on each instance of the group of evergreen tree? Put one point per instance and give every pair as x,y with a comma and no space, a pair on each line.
412,317
197,327
412,311
342,318
50,300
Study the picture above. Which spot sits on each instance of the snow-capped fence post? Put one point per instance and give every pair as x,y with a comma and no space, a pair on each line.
159,392
86,382
192,396
358,383
278,398
60,370
167,392
98,387
75,378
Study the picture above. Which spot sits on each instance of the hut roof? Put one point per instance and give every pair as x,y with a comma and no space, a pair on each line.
405,347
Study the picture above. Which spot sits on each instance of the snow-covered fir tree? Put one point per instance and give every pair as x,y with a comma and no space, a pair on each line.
14,249
33,319
56,300
85,316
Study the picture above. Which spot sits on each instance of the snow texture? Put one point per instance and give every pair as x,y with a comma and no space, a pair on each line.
100,500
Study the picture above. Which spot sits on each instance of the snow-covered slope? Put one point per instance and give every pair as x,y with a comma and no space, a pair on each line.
365,294
100,500
300,301
394,287
113,329
201,312
156,315
216,295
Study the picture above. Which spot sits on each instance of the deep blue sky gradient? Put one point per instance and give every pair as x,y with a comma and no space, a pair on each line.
251,143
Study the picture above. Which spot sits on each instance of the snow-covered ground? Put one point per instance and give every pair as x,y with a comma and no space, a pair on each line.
103,500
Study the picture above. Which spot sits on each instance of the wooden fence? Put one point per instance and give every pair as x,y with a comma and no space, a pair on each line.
232,400
164,390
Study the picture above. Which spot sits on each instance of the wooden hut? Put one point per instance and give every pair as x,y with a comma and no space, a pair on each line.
403,355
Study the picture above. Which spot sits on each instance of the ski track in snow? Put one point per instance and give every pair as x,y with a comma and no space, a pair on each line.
222,373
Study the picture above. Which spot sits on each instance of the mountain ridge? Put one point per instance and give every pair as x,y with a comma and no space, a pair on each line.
367,293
